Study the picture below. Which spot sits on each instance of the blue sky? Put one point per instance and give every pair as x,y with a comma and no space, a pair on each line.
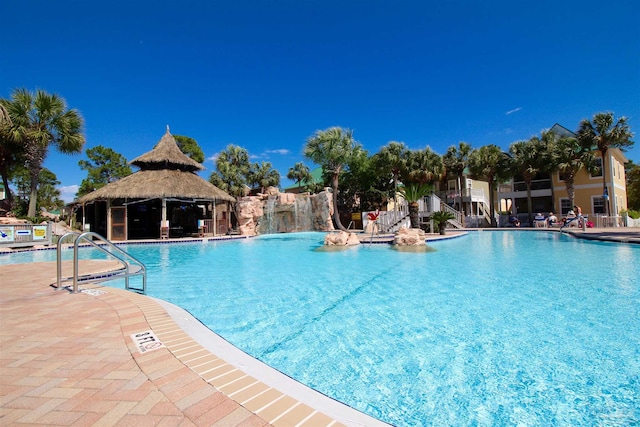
266,75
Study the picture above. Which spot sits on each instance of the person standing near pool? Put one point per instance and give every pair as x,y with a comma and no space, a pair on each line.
579,216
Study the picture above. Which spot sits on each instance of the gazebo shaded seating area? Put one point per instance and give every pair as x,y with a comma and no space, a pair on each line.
165,198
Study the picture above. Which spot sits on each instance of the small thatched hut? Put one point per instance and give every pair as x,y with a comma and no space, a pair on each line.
165,198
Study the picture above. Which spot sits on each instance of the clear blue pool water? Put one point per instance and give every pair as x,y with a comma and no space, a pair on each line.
494,328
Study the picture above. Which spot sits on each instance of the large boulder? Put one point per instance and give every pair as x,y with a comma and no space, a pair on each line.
322,211
341,238
410,237
248,211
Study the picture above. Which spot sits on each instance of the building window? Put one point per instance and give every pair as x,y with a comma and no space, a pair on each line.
598,164
599,206
565,206
562,176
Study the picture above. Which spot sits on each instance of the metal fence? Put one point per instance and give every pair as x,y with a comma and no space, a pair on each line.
22,235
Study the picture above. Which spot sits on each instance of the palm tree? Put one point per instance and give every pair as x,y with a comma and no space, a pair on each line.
41,120
604,134
455,162
298,173
528,159
8,150
491,164
264,175
232,167
441,218
423,166
413,193
333,149
568,157
392,159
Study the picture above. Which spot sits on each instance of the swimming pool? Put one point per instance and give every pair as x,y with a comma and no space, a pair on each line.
494,328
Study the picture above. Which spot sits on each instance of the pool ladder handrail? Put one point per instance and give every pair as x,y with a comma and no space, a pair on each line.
128,261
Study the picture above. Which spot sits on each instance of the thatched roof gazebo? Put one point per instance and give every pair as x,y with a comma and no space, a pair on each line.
166,175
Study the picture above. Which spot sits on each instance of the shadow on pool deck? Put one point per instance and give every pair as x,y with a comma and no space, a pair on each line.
69,359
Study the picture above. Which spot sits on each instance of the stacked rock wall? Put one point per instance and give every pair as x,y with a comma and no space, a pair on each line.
276,212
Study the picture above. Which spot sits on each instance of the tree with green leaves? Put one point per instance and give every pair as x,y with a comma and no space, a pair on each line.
363,187
300,173
413,192
569,156
602,133
333,149
632,174
528,159
103,167
10,152
263,175
391,162
190,147
455,161
39,121
491,164
423,166
233,167
48,196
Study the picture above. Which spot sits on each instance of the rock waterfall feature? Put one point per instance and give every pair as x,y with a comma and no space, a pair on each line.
275,212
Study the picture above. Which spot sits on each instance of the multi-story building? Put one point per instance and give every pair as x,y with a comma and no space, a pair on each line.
549,191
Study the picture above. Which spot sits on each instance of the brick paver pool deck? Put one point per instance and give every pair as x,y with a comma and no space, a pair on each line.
69,359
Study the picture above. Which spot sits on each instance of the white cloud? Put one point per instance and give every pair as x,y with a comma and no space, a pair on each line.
68,192
282,151
515,110
214,157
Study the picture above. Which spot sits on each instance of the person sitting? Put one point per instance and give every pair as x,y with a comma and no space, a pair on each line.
552,220
571,217
540,220
514,221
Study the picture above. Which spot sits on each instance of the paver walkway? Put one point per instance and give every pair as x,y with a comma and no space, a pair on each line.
69,359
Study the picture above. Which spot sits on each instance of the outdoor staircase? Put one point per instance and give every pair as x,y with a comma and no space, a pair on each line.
392,221
129,265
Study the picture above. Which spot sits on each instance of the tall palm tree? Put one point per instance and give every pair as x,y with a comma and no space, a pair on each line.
232,166
39,121
298,173
528,159
568,157
455,161
601,132
392,159
264,175
333,149
491,164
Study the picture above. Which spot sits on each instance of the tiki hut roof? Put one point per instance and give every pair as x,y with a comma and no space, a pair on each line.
158,184
166,155
165,172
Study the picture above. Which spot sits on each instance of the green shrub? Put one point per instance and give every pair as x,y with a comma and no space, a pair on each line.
632,214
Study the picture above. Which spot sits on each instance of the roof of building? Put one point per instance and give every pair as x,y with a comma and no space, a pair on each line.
165,172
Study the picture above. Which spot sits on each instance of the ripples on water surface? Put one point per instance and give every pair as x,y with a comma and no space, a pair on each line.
494,328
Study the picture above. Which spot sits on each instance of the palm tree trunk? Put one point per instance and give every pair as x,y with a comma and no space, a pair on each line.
7,191
414,215
529,203
33,196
